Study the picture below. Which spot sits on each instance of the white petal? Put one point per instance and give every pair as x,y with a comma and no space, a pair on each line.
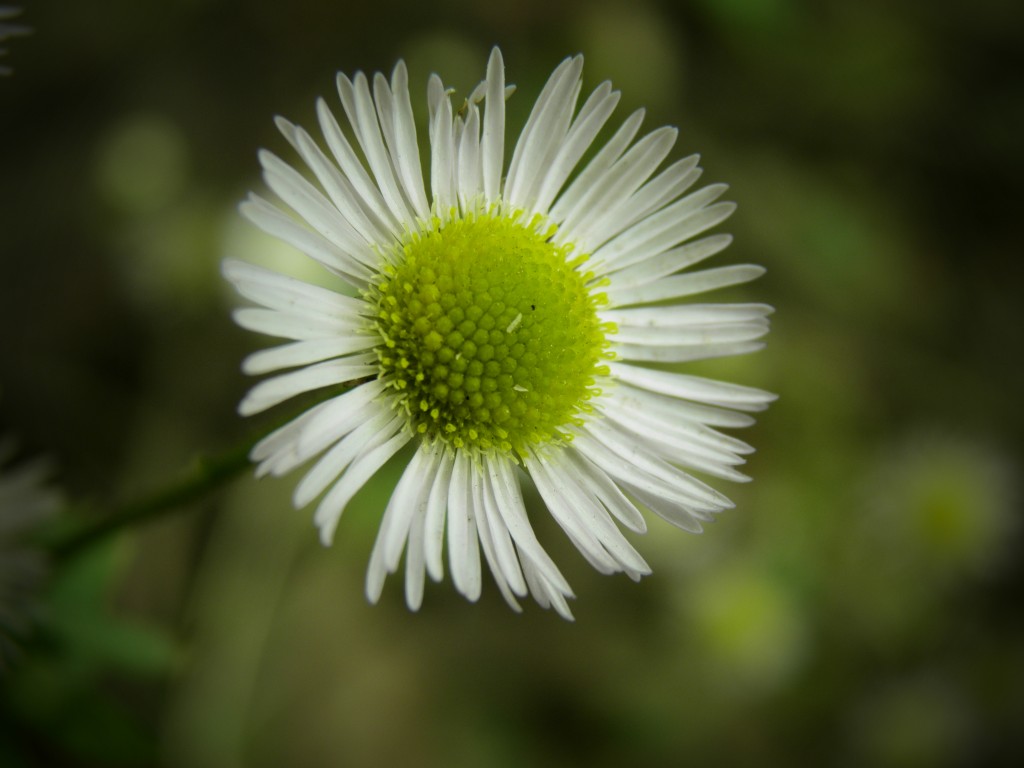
298,323
508,496
343,414
316,246
678,449
668,262
549,113
603,160
688,512
602,202
368,192
584,518
406,150
713,416
685,353
463,553
357,212
282,439
361,470
421,471
671,416
665,228
544,592
644,242
697,335
594,516
562,510
285,325
276,390
362,115
605,489
361,437
287,294
437,94
548,136
400,152
651,197
443,158
407,503
307,201
694,387
500,558
687,315
500,534
626,460
680,286
671,511
588,123
304,352
415,574
469,173
437,506
492,146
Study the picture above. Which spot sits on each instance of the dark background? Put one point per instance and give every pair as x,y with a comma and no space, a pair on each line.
860,606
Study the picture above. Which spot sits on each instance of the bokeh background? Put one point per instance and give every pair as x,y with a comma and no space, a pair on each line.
860,606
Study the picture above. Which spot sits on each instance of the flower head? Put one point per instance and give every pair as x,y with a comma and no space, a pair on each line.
8,30
25,503
501,324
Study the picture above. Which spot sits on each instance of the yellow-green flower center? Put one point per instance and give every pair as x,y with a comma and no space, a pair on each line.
490,334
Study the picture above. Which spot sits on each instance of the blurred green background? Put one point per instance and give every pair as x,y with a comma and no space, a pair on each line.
861,606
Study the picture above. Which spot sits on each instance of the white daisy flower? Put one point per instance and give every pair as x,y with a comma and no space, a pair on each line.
503,322
26,502
8,30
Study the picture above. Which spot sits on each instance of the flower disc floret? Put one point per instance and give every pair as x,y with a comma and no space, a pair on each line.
490,334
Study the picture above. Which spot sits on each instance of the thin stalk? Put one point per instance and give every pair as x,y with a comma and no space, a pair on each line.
208,474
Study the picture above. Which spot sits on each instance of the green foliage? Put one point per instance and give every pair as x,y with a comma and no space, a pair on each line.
861,605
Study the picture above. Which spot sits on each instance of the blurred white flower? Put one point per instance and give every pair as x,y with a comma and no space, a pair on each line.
8,30
26,502
504,322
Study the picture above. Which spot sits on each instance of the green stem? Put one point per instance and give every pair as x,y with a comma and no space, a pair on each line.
210,473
